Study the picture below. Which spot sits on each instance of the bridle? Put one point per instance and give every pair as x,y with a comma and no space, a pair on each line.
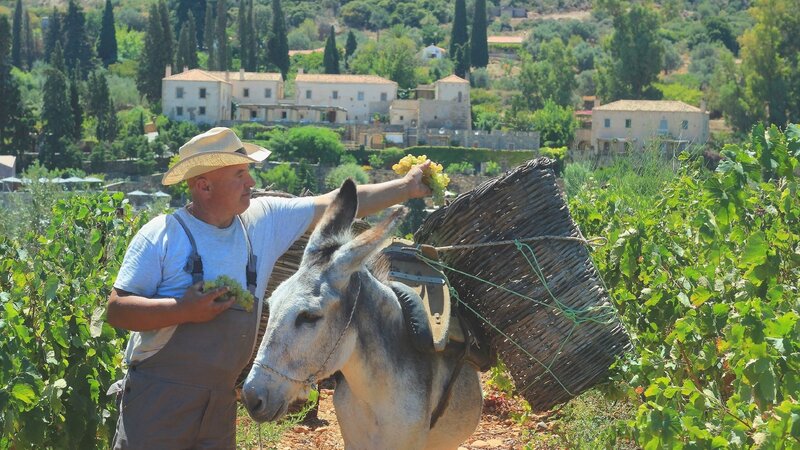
312,380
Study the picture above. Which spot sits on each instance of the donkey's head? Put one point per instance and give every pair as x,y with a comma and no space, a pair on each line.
311,332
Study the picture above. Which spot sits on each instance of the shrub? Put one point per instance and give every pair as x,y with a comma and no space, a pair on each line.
337,176
464,168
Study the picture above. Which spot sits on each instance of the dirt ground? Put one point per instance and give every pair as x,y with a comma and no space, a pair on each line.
499,428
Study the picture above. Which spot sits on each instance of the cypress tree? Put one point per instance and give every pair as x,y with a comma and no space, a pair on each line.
153,59
16,36
253,39
56,116
331,57
57,58
101,105
107,45
349,47
53,34
479,46
458,34
168,43
208,40
182,56
221,56
243,33
77,52
75,107
191,60
29,45
278,43
15,121
247,36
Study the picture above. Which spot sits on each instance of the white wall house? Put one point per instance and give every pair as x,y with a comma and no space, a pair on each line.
449,108
343,98
433,52
196,95
630,125
253,93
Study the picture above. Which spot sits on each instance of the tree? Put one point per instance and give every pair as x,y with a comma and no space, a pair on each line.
184,51
198,10
331,56
636,55
247,36
15,120
191,54
56,117
208,29
551,78
479,46
221,55
770,63
28,43
153,59
392,57
77,52
107,45
349,48
278,44
459,40
314,144
168,42
556,125
75,107
101,106
53,34
16,36
727,94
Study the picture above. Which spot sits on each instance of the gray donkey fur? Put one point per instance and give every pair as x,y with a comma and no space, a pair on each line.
334,315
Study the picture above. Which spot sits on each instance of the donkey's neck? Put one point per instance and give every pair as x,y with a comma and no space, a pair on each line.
381,338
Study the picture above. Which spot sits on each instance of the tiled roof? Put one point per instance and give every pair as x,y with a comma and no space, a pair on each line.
249,76
648,105
505,39
195,75
352,79
452,79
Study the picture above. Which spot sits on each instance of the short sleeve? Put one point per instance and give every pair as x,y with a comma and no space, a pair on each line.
140,272
284,220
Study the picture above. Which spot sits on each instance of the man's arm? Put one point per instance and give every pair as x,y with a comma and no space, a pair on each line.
136,313
373,198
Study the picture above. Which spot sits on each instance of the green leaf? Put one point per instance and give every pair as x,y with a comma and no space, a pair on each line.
24,393
755,250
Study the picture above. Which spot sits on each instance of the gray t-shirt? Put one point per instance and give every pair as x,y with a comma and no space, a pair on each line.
155,260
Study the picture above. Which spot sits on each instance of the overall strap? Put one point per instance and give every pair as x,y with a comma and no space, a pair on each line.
194,265
250,270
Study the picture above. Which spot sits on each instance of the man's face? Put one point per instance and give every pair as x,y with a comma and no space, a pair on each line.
230,188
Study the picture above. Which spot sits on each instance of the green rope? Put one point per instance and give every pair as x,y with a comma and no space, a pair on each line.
602,314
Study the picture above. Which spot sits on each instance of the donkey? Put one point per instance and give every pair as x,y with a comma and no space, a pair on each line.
334,316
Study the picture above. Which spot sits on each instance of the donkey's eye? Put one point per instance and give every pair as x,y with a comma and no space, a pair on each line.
306,317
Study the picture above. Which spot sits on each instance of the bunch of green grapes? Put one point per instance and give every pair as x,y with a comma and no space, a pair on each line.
243,297
433,175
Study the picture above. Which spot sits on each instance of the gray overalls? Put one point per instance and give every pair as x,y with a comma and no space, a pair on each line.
184,396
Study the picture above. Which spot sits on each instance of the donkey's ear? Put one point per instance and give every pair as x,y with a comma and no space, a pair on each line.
351,256
338,217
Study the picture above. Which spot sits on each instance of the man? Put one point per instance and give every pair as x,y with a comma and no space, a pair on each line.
187,348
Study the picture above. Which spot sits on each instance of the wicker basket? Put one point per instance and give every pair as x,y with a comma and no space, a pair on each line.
551,357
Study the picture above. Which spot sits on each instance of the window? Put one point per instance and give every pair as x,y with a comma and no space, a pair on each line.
335,95
283,114
268,93
179,92
202,92
685,125
361,95
627,123
383,96
401,117
202,111
308,93
607,123
253,114
459,97
245,92
179,111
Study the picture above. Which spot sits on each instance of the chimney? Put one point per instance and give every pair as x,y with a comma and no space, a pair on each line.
300,71
185,68
241,74
227,75
703,105
168,71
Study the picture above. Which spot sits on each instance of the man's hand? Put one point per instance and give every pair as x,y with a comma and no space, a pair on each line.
199,306
416,188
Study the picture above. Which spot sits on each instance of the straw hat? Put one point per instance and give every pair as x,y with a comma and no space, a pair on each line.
216,148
